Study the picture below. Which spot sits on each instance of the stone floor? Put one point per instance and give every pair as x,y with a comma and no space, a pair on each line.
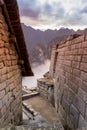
42,106
42,113
38,114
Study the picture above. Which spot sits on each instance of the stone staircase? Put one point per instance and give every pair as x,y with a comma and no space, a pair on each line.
83,128
27,127
36,121
34,127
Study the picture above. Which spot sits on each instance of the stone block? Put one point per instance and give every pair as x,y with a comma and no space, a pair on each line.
3,110
1,65
84,58
83,67
11,86
65,105
14,57
76,72
67,53
2,44
14,62
84,44
9,94
74,80
83,76
61,53
78,45
85,51
0,117
7,45
74,116
69,123
2,51
2,86
79,39
5,100
79,104
72,85
8,57
67,62
0,104
2,31
82,122
7,63
77,58
2,58
73,47
3,78
75,64
5,26
7,89
86,37
62,115
10,74
5,38
6,51
67,69
86,113
80,51
74,52
3,70
70,95
2,94
84,86
82,94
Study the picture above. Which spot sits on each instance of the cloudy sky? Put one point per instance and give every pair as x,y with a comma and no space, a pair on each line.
53,14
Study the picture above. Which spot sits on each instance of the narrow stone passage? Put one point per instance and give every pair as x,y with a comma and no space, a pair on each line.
43,106
43,113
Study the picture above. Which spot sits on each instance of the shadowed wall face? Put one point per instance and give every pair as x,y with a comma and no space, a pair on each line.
10,77
71,80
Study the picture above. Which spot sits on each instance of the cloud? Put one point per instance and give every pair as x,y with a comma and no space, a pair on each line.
52,14
30,12
27,9
84,10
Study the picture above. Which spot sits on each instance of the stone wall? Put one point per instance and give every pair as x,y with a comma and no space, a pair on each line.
10,77
46,89
71,80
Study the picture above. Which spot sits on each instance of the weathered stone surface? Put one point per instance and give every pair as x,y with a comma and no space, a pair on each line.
79,104
84,76
82,122
46,88
76,72
85,50
84,86
75,64
84,58
2,86
86,113
82,94
1,65
2,94
74,115
83,66
10,77
72,65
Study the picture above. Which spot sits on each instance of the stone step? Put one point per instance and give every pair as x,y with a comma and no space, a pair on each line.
27,96
29,127
38,121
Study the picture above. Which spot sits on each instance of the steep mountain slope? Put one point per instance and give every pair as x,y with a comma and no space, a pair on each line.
38,41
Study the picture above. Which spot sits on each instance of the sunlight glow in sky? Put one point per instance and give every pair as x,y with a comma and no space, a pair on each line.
53,14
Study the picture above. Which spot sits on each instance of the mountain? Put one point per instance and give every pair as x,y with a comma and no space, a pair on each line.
38,41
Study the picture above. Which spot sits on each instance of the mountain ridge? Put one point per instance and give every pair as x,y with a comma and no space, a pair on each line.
38,41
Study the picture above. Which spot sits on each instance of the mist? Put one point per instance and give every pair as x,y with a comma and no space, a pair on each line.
38,71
